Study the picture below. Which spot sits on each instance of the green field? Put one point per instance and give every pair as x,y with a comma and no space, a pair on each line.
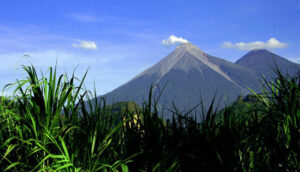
51,123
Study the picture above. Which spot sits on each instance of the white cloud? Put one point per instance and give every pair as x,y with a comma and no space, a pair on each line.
45,58
295,60
271,43
174,40
85,44
102,65
84,18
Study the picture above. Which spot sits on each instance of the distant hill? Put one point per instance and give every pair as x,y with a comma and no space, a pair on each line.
191,75
263,62
244,107
121,107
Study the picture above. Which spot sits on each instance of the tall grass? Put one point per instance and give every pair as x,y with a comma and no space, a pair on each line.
44,128
47,126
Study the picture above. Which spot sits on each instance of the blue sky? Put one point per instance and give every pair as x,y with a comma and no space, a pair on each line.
117,40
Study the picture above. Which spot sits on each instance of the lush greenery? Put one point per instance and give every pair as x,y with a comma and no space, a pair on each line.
52,123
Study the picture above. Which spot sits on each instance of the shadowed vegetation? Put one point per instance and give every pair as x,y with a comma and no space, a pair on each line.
52,123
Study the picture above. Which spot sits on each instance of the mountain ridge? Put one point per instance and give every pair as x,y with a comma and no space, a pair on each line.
190,72
263,62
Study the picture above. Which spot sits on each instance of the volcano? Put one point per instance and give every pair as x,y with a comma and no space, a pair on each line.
191,76
264,62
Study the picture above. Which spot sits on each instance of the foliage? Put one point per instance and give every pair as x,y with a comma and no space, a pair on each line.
46,130
47,126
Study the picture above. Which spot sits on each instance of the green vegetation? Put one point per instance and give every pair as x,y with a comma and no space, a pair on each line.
47,126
